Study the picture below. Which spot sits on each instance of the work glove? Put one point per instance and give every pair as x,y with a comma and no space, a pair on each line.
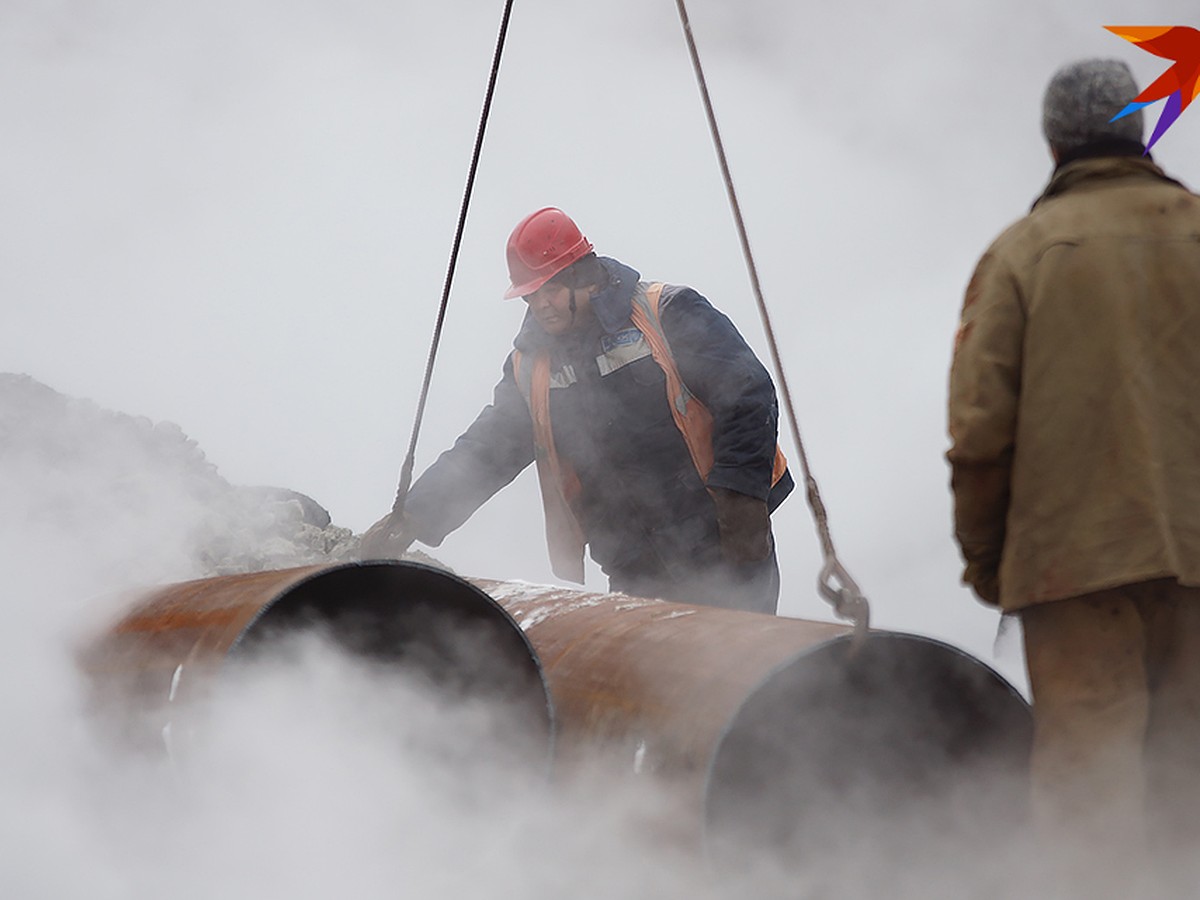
745,526
386,539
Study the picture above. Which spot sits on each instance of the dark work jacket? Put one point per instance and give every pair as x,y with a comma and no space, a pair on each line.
642,505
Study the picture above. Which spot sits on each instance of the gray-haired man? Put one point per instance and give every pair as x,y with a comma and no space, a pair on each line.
1075,451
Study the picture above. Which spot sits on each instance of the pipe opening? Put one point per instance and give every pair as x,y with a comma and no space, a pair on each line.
434,625
158,671
424,625
832,755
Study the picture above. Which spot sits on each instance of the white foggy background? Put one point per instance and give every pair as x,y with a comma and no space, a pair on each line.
236,216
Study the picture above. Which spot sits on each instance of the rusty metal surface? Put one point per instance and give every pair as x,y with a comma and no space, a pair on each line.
760,723
164,653
658,680
171,646
767,724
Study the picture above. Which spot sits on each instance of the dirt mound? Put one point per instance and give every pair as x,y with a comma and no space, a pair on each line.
129,489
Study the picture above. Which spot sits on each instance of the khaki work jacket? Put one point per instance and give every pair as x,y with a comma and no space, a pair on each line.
1074,408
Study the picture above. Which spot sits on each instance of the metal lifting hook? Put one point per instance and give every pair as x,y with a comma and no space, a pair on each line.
843,594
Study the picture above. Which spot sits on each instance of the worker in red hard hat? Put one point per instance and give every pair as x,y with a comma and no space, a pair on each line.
651,421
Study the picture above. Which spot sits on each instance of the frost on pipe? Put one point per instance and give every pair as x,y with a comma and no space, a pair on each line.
406,620
836,756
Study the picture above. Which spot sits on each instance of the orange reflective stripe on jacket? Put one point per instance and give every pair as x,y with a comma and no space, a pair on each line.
558,481
691,416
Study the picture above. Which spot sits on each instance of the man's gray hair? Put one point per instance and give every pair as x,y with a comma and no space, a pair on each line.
1081,99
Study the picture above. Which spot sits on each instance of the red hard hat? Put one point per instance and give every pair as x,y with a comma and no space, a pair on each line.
542,245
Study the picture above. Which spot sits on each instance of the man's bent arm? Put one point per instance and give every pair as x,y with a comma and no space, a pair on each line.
485,458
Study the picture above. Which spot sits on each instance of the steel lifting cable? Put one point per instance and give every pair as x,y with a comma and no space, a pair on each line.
834,582
406,470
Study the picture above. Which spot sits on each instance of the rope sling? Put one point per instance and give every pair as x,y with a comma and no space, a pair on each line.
406,470
834,582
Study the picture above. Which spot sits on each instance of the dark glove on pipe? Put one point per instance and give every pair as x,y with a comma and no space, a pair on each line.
745,526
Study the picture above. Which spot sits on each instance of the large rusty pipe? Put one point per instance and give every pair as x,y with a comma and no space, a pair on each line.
768,725
772,728
173,645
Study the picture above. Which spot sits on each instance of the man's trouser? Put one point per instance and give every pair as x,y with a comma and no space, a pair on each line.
1115,677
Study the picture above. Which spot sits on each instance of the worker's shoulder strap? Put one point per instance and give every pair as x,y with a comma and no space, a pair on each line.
529,373
646,303
557,481
523,373
691,416
645,316
533,381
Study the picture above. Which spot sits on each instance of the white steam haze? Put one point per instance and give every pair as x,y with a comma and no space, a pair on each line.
236,216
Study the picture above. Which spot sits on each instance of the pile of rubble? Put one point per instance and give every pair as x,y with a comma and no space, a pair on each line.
73,472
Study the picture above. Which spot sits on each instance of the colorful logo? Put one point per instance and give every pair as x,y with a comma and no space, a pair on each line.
1179,84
